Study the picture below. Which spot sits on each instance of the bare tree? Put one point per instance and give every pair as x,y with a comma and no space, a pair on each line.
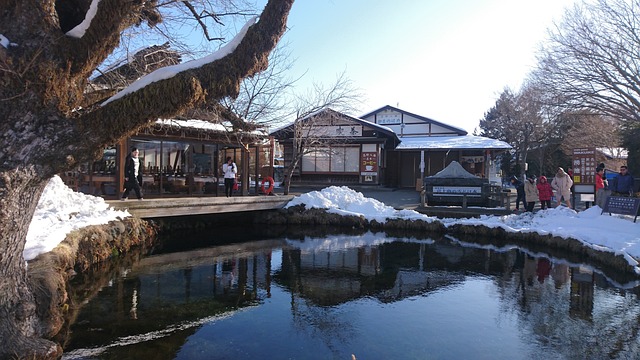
263,98
46,60
591,60
593,130
315,110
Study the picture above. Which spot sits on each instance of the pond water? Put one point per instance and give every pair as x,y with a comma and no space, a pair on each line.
369,295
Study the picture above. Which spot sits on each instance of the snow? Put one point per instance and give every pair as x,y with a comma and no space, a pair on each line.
615,233
4,41
468,142
79,30
61,211
168,72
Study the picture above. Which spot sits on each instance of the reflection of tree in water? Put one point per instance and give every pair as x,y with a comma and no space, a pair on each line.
328,323
569,314
332,325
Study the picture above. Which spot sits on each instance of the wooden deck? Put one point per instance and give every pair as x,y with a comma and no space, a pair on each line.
167,207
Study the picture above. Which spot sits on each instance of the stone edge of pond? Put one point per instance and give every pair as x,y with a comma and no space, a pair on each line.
299,215
50,272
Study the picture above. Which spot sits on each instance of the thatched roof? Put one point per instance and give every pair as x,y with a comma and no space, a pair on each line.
133,67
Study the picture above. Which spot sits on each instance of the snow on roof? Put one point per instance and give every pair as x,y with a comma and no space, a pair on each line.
614,153
454,170
450,142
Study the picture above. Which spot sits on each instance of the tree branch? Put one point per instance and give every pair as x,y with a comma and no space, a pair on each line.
200,22
83,55
171,96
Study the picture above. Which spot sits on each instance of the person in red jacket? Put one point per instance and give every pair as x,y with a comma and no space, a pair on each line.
544,192
600,193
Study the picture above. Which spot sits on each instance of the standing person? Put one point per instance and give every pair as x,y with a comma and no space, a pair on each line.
544,192
531,193
622,185
561,185
230,170
520,196
132,175
600,194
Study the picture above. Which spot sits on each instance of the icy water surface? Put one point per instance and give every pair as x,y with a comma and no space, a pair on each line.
370,295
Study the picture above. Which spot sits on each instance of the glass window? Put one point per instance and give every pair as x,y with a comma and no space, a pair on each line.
308,162
203,160
334,159
352,159
149,155
337,159
323,160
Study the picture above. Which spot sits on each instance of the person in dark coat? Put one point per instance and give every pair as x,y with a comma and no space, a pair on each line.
622,185
519,185
132,175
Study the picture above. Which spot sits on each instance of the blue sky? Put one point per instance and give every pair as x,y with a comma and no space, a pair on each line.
443,59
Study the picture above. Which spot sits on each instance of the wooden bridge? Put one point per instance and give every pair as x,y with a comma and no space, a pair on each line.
168,207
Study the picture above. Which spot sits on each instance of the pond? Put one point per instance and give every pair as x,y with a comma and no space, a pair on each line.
371,296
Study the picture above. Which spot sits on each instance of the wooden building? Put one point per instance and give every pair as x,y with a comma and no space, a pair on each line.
178,158
336,148
388,146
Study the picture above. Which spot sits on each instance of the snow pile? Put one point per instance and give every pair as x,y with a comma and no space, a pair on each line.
62,210
602,232
345,201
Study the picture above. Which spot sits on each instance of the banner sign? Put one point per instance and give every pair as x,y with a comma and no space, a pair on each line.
369,163
457,190
584,165
622,205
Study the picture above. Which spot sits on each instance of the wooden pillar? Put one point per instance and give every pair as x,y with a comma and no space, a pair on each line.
122,150
216,174
244,153
257,166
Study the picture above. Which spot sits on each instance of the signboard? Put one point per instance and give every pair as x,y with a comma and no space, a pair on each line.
457,190
389,118
472,159
317,130
622,205
584,165
369,163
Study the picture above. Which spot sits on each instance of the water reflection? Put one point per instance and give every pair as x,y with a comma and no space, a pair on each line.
370,295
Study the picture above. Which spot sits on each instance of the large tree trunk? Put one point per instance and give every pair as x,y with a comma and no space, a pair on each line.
21,328
47,126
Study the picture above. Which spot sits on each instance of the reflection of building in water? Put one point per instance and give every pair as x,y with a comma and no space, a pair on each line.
582,293
388,272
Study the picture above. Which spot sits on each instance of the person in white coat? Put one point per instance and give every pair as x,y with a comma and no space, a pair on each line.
531,193
561,185
230,170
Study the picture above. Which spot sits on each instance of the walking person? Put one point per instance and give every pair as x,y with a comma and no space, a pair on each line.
545,193
132,175
561,185
622,185
531,193
230,171
520,196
